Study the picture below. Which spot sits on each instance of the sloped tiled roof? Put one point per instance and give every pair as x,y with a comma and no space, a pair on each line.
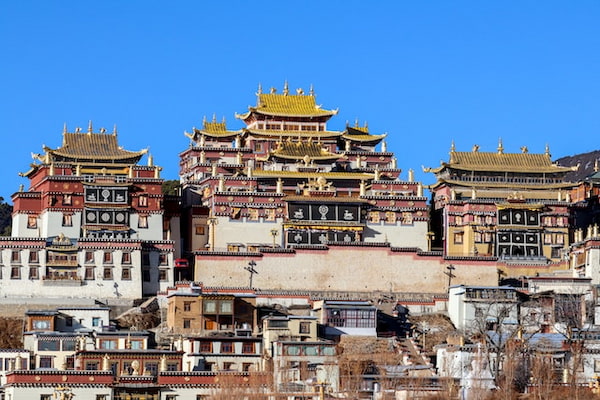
502,162
93,146
212,129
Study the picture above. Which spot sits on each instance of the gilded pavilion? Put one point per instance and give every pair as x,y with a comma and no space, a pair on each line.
514,207
91,222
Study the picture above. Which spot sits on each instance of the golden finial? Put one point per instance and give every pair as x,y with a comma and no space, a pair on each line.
259,91
115,130
452,147
214,120
273,90
475,148
78,130
286,89
356,122
223,120
90,129
65,128
547,152
299,91
596,167
150,160
203,122
500,146
524,149
311,91
366,125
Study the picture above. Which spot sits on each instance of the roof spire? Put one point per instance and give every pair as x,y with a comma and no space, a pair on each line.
204,121
500,147
547,152
115,130
452,147
259,91
356,122
214,117
223,120
311,92
286,89
596,167
90,128
65,128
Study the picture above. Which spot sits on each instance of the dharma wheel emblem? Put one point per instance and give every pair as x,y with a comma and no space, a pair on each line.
323,210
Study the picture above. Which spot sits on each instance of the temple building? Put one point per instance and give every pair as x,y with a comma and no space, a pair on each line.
286,182
90,225
513,207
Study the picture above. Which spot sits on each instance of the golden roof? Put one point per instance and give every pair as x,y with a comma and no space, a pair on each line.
93,146
302,151
501,162
358,133
212,129
286,104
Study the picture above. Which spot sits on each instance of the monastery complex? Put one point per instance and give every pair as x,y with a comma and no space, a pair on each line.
287,203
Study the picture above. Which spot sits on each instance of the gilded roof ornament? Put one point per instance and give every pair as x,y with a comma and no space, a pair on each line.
311,92
524,149
273,90
102,130
286,89
214,118
452,147
259,91
115,130
299,91
90,128
500,146
475,148
547,152
65,128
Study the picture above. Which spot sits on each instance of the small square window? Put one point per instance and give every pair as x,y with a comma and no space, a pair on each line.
67,220
67,200
126,258
15,272
143,200
89,257
163,275
126,274
199,230
33,257
143,221
107,274
31,222
34,273
187,323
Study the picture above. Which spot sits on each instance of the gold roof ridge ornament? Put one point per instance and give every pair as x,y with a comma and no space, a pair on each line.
311,92
259,91
286,89
90,128
524,149
114,132
547,151
500,146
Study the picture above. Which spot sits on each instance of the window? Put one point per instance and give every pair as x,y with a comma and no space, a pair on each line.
48,345
227,366
270,215
46,397
163,275
34,273
304,327
15,256
126,274
108,273
458,238
205,347
172,366
101,397
143,200
67,200
96,321
248,348
171,397
67,220
163,259
151,367
15,272
89,257
246,367
226,307
226,347
110,344
136,344
69,321
407,218
210,306
187,306
374,216
31,222
253,214
143,221
89,273
91,365
33,257
199,229
107,257
126,258
187,323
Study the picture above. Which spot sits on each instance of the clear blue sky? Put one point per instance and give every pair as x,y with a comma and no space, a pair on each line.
425,72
